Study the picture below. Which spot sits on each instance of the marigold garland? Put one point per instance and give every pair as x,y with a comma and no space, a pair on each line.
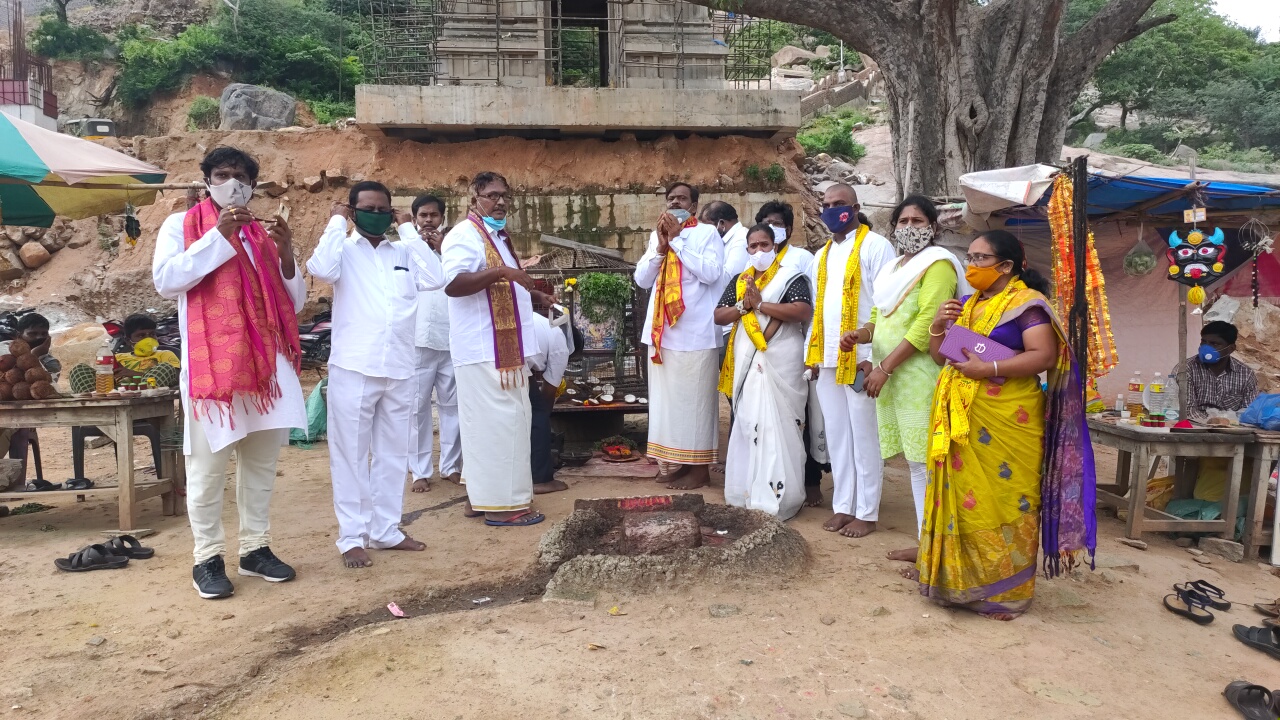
1102,345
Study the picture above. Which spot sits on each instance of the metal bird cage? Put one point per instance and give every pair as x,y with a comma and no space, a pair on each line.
606,357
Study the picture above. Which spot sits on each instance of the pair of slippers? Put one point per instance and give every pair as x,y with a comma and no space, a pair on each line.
115,553
72,484
1194,600
1254,702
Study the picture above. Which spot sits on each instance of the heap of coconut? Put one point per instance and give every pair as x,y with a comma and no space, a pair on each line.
22,377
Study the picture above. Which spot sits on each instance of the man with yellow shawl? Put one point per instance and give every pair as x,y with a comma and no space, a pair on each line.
684,267
1008,463
843,277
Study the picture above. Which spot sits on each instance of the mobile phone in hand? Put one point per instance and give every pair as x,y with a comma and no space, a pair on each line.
859,380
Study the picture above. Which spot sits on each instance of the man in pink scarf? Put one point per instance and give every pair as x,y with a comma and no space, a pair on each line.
238,291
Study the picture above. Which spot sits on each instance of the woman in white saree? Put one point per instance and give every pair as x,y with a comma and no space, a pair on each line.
763,373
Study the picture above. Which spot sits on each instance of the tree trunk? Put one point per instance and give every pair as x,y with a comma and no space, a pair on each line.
60,8
1124,117
974,87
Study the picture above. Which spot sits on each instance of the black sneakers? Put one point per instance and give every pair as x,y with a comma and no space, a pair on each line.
210,579
264,564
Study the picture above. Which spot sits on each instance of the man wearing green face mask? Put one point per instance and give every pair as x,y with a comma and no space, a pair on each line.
371,389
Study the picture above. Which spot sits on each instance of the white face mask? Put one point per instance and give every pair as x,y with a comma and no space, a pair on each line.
779,233
762,260
231,193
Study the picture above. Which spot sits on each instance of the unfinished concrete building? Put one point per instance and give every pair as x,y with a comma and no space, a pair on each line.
580,67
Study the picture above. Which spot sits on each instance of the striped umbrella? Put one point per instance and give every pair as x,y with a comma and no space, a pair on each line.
44,174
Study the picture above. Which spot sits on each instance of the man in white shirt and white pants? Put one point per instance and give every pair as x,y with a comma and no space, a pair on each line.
491,336
241,394
684,266
546,369
852,431
371,389
434,369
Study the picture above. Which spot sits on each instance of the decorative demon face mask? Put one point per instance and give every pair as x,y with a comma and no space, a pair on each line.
1197,260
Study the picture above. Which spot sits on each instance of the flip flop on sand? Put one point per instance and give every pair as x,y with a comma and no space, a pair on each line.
1264,639
93,557
128,546
1187,605
1213,595
528,517
1271,609
1253,701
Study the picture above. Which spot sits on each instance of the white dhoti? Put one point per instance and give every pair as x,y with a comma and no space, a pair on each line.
684,407
434,371
368,416
764,468
495,423
853,442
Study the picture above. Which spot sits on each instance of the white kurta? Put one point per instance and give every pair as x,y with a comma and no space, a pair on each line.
175,270
764,468
877,252
701,254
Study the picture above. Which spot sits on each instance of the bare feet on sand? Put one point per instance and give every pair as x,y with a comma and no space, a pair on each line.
910,572
837,521
904,555
468,511
549,487
356,558
696,477
421,485
813,496
680,472
858,528
455,478
408,543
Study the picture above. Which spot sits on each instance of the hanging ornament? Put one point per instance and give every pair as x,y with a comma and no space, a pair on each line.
1196,259
1195,295
132,228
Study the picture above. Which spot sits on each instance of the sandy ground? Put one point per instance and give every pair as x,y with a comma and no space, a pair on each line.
849,639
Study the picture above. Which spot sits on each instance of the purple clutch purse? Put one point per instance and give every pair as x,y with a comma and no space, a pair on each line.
959,339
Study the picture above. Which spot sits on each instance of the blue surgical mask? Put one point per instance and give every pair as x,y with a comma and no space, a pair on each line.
495,224
839,218
1208,354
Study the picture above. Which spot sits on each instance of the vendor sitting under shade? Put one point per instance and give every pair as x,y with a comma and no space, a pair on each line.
140,352
1216,381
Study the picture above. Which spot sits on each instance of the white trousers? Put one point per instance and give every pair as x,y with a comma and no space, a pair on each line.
435,371
496,420
256,456
368,416
919,481
853,443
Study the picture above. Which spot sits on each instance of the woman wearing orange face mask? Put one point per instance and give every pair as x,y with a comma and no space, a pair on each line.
1010,464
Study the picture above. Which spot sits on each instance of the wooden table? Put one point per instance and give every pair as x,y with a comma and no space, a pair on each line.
115,417
1138,446
1265,451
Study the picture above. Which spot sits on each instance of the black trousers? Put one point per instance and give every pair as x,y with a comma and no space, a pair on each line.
540,435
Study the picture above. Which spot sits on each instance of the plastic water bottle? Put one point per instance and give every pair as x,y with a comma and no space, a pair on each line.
1134,403
1120,403
1155,396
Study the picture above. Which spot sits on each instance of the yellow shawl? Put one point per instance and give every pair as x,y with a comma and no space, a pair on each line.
847,363
749,321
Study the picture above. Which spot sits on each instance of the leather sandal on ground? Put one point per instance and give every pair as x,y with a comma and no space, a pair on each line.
128,546
78,484
42,486
1260,638
528,517
1271,609
1253,701
1190,605
1214,595
93,557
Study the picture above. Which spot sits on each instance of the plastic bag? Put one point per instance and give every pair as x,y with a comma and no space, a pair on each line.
1160,492
1140,260
1263,412
317,419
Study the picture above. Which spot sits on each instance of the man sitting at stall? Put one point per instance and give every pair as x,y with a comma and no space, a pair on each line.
143,352
1215,379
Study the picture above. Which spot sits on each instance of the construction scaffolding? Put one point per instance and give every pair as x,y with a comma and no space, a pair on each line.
580,43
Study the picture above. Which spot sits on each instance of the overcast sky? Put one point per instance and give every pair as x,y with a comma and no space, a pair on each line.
1254,13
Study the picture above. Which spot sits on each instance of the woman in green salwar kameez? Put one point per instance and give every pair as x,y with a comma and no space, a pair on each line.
908,294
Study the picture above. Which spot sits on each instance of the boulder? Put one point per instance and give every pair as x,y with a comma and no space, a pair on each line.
33,255
253,107
840,169
1232,551
790,55
1095,140
335,177
11,267
314,184
822,51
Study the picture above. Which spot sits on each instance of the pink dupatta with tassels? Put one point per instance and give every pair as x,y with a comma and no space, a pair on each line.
239,317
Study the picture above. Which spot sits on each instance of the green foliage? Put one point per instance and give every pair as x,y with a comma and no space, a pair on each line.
203,114
833,134
328,111
298,46
580,57
1139,151
603,297
56,39
752,173
775,174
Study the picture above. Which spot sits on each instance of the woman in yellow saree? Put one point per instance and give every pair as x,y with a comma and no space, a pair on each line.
1010,464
